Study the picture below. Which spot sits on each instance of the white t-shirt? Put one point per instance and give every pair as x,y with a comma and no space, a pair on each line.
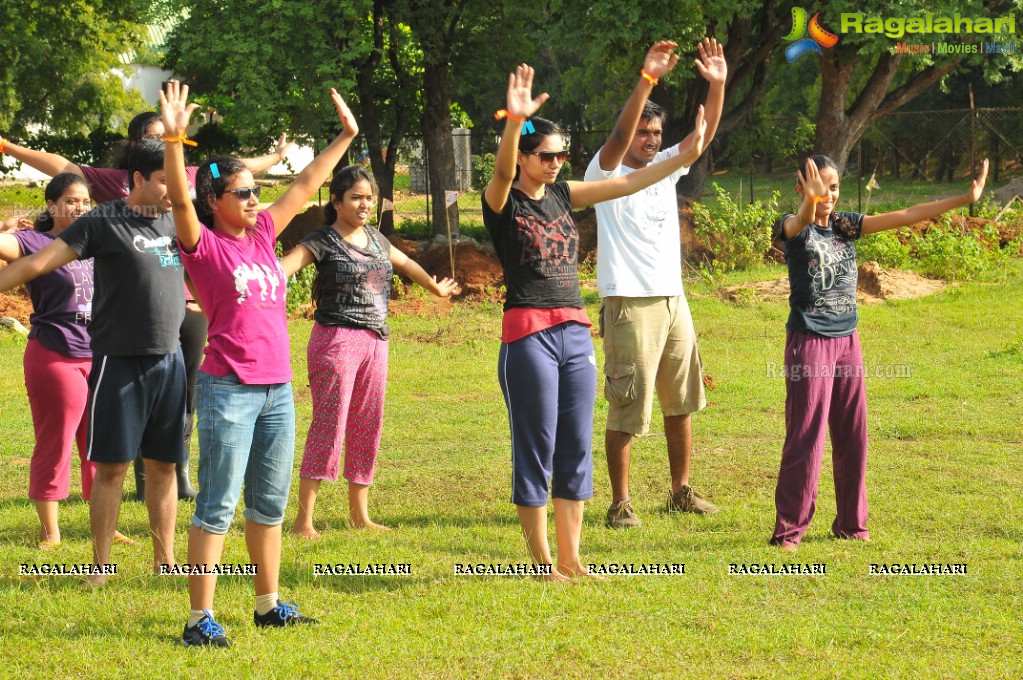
639,253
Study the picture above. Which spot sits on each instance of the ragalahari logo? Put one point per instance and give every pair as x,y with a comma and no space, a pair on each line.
819,36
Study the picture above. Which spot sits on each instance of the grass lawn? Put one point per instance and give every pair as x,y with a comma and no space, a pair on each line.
943,481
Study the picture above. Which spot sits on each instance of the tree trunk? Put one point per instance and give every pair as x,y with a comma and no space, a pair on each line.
439,144
691,185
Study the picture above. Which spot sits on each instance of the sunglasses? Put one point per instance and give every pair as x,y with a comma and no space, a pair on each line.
547,157
244,193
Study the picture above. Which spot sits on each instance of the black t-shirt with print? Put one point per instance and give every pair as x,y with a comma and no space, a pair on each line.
822,275
139,300
538,245
353,283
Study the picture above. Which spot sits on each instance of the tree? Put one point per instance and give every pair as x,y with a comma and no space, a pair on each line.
60,62
439,26
867,69
266,68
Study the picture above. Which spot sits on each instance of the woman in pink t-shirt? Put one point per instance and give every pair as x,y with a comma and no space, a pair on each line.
110,184
245,406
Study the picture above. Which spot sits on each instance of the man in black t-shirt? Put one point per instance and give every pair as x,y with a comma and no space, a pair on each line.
137,384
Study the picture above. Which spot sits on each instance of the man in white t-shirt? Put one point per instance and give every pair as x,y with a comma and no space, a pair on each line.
649,340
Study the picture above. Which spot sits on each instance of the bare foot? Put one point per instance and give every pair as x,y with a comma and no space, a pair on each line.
579,571
95,581
369,524
554,577
48,545
121,539
308,533
787,547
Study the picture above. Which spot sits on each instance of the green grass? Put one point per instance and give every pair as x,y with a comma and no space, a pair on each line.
943,482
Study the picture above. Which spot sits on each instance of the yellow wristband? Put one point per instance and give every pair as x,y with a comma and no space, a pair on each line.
649,78
182,139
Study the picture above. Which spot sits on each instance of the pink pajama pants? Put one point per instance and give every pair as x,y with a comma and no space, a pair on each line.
348,381
825,390
57,393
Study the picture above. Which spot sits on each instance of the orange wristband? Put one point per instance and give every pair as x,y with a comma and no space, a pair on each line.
503,113
3,145
649,78
182,139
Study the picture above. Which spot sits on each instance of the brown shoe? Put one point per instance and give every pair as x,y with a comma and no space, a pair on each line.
621,515
687,500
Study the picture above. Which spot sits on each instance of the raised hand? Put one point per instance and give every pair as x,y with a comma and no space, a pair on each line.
711,64
699,131
813,185
344,113
660,58
175,111
446,287
977,187
521,103
283,146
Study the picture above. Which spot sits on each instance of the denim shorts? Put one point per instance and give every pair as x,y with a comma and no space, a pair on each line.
246,433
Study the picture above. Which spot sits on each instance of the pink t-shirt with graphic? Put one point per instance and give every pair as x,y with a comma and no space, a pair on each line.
242,288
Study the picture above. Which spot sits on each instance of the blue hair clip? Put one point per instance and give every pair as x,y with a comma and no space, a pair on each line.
527,128
215,170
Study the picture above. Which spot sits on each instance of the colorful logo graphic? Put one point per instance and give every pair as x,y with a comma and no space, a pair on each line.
819,36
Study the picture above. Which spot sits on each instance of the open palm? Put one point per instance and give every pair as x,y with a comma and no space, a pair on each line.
175,111
521,102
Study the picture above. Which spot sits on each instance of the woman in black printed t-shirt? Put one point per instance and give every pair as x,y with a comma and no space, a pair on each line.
547,367
824,386
348,346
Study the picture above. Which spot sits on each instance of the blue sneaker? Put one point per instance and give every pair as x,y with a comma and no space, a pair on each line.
284,614
206,633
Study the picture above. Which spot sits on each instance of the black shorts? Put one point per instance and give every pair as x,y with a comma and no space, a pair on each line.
137,404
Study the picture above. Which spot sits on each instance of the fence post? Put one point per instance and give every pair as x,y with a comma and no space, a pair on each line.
859,175
973,122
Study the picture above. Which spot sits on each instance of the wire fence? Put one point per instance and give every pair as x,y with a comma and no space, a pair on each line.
912,155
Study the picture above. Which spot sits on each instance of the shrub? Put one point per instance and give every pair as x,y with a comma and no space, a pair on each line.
738,235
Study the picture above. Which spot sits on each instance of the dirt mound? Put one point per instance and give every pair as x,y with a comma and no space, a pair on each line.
478,272
16,305
301,226
875,284
404,245
586,224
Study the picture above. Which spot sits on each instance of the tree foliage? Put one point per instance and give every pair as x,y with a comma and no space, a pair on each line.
59,64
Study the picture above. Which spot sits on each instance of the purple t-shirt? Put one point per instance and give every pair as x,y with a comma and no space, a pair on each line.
61,300
242,289
110,184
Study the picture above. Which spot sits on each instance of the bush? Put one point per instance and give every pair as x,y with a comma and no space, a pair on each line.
738,235
954,254
885,248
482,170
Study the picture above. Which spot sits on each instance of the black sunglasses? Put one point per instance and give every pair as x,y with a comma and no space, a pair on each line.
549,156
244,193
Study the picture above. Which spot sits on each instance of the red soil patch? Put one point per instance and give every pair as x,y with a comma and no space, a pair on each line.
874,285
476,270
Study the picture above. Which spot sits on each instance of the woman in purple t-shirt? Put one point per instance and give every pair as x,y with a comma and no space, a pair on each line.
57,357
244,398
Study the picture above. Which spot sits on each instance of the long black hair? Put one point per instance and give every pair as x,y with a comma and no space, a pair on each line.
137,129
343,180
821,161
210,185
542,128
54,190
